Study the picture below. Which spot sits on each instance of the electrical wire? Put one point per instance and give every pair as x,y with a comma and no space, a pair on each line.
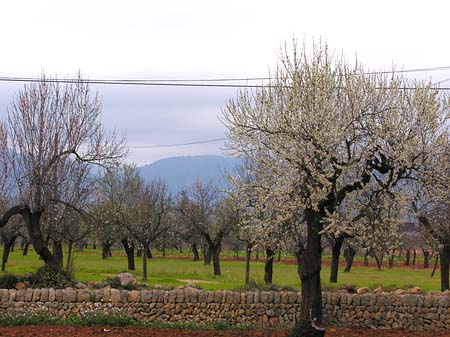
173,145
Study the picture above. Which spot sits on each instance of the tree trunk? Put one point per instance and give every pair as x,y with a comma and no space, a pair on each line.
349,256
207,255
106,250
407,257
378,260
139,252
94,245
279,256
257,254
436,260
248,254
33,222
335,252
216,262
129,250
195,251
268,266
69,263
26,245
445,264
163,248
309,259
426,259
366,258
414,257
391,260
58,252
149,253
7,244
144,262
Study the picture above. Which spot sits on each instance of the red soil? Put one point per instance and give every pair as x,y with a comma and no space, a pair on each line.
57,331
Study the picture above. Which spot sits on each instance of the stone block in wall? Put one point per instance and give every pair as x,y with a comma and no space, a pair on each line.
36,295
250,296
202,296
408,300
228,296
172,298
218,296
58,295
44,295
51,295
83,295
211,296
106,294
134,296
284,297
277,297
293,297
180,296
146,296
257,297
192,296
98,295
69,295
4,295
12,294
29,295
123,296
115,296
335,298
237,298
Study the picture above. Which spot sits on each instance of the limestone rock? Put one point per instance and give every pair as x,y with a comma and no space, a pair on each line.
20,285
127,279
415,291
363,290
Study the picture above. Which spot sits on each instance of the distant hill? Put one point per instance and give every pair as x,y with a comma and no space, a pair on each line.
180,172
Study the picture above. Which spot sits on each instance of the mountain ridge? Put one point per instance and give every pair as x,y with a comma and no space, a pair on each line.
181,171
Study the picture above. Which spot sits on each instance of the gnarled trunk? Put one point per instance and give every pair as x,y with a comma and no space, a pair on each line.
349,256
25,247
436,260
32,220
195,251
215,248
309,259
144,261
426,259
268,266
335,252
106,250
407,257
207,254
445,266
129,250
7,245
58,252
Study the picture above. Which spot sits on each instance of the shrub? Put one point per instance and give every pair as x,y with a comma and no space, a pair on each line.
8,281
51,276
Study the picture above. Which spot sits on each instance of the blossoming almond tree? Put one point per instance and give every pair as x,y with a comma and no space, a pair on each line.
323,130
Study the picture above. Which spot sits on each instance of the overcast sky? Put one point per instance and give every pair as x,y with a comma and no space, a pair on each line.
202,39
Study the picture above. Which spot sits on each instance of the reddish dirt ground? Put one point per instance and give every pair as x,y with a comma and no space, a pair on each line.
100,331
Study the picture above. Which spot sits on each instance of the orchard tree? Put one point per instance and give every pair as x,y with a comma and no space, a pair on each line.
322,131
52,129
211,216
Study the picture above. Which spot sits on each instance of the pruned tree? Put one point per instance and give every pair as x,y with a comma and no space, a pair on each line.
52,129
322,131
211,216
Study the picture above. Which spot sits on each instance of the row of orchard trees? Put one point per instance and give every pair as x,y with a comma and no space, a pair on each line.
145,214
335,149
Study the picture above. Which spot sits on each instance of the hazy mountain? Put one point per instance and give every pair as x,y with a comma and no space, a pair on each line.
181,172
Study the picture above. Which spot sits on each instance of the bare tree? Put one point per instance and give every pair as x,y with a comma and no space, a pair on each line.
322,131
212,217
53,129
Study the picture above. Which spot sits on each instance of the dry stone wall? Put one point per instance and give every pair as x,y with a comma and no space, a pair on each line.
264,308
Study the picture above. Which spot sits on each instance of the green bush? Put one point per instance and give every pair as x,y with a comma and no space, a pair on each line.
51,276
8,281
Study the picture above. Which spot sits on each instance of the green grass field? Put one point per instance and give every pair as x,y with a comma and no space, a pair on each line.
176,271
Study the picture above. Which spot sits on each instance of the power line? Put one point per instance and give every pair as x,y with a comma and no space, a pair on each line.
221,79
188,82
173,145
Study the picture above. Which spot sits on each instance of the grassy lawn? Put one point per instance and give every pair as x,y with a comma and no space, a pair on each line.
174,272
